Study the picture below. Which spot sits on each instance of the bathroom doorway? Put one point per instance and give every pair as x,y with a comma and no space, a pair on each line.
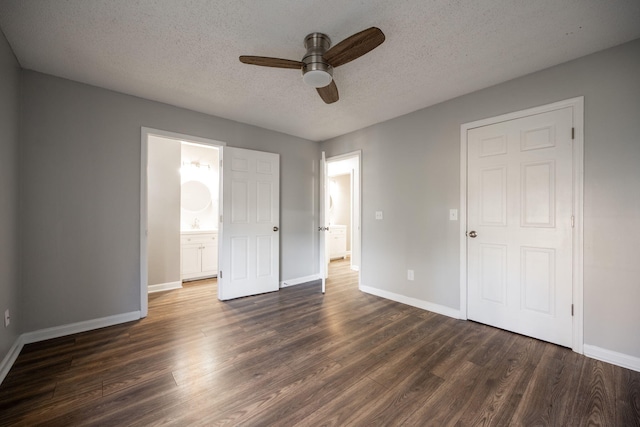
199,211
180,204
342,239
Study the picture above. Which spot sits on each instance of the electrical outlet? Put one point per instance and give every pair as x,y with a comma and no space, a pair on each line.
7,318
378,214
410,275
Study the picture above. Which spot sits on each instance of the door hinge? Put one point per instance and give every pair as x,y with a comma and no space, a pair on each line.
572,309
573,221
221,276
220,218
573,133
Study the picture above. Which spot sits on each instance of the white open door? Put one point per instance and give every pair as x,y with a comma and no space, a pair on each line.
323,226
250,243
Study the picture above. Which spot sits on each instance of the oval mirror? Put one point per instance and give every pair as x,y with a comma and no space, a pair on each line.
195,196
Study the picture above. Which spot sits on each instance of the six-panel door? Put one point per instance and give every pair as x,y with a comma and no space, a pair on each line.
249,260
520,196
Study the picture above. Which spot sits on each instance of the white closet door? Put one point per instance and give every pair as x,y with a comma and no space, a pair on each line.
520,196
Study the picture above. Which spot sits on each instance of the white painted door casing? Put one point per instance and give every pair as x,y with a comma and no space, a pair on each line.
520,204
324,223
249,257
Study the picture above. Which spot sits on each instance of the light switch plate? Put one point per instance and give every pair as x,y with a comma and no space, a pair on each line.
453,214
378,214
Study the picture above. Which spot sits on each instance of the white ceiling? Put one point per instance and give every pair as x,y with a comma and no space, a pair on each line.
185,52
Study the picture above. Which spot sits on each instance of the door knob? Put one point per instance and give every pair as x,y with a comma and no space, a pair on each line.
275,229
473,234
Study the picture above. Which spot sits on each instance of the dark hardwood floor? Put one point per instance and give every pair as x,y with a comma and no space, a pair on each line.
297,357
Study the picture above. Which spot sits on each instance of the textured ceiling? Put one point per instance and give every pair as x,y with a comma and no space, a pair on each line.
186,52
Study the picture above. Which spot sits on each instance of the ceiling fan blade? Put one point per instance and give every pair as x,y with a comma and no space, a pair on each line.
266,61
329,93
354,47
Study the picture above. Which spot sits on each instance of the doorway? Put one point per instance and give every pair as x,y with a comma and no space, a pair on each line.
521,225
247,241
179,235
342,209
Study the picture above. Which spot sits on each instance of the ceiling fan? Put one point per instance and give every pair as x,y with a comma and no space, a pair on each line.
318,63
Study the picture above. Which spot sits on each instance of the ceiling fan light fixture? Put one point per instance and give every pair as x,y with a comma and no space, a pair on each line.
317,78
316,72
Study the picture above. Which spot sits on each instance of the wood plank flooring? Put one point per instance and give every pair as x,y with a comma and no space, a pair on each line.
297,357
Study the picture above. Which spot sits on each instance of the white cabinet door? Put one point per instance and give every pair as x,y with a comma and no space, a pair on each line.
191,261
520,195
210,257
250,252
338,242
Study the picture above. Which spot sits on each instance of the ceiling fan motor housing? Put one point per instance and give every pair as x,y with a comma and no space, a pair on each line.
316,71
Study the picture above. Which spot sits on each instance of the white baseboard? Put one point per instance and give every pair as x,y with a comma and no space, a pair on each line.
10,358
299,281
164,286
613,357
414,302
74,328
60,331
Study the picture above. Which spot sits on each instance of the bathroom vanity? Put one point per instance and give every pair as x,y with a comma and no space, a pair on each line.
199,254
337,241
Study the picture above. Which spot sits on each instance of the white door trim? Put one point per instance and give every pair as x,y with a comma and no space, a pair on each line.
145,132
578,179
358,235
323,254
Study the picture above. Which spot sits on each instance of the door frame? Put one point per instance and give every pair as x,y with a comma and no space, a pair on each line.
356,236
145,132
578,196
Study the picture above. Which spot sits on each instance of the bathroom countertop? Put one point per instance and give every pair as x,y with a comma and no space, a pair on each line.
197,231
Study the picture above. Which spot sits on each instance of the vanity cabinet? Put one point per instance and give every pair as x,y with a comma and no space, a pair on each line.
199,255
337,241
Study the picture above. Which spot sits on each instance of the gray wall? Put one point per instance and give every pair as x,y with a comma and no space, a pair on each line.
163,238
411,171
80,195
9,287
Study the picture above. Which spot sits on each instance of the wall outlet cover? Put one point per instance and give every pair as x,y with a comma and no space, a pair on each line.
410,275
378,214
453,214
